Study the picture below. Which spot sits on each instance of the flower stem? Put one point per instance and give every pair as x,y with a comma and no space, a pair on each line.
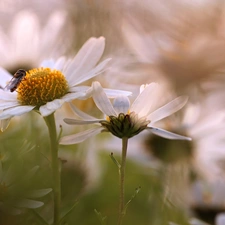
50,121
122,178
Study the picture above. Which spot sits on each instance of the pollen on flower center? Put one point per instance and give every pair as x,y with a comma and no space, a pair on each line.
40,86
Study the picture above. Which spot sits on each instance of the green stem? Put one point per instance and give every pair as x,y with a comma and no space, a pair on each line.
122,178
50,121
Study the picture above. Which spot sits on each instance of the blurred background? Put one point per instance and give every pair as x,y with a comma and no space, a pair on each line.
179,44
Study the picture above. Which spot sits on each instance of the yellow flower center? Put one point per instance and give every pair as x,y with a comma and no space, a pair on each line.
40,86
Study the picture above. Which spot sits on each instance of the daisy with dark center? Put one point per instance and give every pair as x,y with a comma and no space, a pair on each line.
125,121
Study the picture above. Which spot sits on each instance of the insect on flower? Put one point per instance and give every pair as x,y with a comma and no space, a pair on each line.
15,81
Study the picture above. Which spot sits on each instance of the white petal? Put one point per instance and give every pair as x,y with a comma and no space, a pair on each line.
79,88
80,137
1,172
81,114
31,173
51,107
59,64
15,111
168,109
80,122
50,63
71,96
5,47
167,134
220,219
30,204
24,30
101,100
139,44
90,74
121,104
38,193
142,104
9,209
112,93
52,26
5,77
8,96
5,105
5,124
86,58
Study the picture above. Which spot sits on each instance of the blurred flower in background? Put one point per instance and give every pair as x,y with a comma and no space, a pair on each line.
26,42
185,52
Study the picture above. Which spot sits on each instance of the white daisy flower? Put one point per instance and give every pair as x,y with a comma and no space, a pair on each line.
26,42
46,88
123,119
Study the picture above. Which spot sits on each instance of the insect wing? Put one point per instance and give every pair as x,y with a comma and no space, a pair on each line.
12,84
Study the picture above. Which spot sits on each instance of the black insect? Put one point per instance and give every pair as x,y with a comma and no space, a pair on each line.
15,81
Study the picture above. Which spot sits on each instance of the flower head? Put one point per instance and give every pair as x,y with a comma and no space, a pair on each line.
46,88
24,28
123,119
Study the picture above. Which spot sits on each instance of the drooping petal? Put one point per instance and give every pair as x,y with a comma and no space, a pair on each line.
168,109
9,209
121,104
27,203
86,58
80,137
4,124
51,107
81,114
38,193
101,100
142,104
1,172
80,122
15,111
90,74
30,173
167,134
